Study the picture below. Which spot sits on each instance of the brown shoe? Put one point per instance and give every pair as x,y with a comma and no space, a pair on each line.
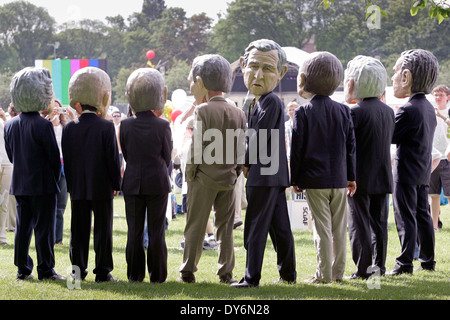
187,277
227,279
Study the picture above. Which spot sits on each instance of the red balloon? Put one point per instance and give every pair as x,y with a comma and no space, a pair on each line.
175,115
150,54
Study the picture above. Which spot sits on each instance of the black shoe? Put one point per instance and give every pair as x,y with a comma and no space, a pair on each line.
356,276
399,270
422,268
187,277
244,284
281,280
105,278
53,277
21,276
237,224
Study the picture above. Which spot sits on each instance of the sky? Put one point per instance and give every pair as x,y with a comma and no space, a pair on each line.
67,10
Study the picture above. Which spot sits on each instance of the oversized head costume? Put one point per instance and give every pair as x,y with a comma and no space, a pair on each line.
320,74
90,86
365,77
31,89
146,90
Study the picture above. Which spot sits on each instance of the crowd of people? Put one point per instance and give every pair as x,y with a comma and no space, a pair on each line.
339,155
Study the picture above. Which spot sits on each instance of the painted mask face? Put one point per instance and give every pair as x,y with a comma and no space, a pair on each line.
261,74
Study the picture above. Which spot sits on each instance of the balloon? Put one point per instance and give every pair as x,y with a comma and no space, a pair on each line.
179,98
175,114
168,108
150,54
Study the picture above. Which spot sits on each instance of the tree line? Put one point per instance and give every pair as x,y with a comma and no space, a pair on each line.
27,33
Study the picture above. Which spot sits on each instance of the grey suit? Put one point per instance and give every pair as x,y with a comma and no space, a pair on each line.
211,183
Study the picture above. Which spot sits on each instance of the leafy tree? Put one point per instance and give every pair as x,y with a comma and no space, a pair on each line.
246,21
27,30
176,77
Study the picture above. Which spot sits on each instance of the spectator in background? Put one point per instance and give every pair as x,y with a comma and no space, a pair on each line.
7,201
59,117
440,177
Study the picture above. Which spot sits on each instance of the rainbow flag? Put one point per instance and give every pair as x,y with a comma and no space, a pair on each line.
63,69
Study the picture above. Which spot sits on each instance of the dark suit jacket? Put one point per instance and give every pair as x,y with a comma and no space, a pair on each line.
268,115
146,142
374,124
91,158
323,145
220,116
31,146
415,123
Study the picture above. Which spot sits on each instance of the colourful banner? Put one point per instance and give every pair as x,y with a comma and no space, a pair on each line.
63,69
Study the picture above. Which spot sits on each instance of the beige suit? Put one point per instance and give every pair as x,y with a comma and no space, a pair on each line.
212,172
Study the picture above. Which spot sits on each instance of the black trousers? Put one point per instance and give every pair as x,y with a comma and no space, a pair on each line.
414,225
38,214
267,213
136,207
81,231
367,227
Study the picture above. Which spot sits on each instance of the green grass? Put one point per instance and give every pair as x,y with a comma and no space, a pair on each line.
420,286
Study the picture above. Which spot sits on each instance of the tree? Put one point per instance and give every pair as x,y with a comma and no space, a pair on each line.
27,30
438,9
245,21
177,76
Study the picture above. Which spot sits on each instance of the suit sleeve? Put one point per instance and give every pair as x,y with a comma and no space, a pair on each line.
113,161
351,150
196,150
167,145
402,126
52,150
296,147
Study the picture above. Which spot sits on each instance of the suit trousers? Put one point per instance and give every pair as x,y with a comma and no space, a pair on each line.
267,213
35,213
81,231
329,221
200,200
138,207
414,225
367,226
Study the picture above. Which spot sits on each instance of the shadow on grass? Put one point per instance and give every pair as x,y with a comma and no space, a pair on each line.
405,287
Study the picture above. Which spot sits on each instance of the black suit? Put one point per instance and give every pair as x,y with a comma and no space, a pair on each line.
267,211
367,224
31,146
146,142
92,168
415,123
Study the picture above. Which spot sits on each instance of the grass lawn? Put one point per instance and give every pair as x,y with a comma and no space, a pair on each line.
419,286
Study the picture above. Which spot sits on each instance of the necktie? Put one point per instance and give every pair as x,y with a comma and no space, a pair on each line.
251,108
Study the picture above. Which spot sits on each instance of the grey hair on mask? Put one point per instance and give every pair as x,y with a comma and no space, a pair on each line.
424,68
215,72
31,89
369,77
145,90
266,45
